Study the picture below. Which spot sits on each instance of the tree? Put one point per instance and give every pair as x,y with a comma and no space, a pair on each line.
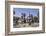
32,18
35,19
14,11
23,17
38,16
15,19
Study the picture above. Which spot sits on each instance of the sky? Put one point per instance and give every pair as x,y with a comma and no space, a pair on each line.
32,11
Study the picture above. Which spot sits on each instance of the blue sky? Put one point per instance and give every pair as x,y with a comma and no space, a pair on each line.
32,11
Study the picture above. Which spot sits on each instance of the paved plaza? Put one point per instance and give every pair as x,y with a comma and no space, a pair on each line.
26,25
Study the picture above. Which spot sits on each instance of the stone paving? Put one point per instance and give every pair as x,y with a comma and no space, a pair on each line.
26,25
